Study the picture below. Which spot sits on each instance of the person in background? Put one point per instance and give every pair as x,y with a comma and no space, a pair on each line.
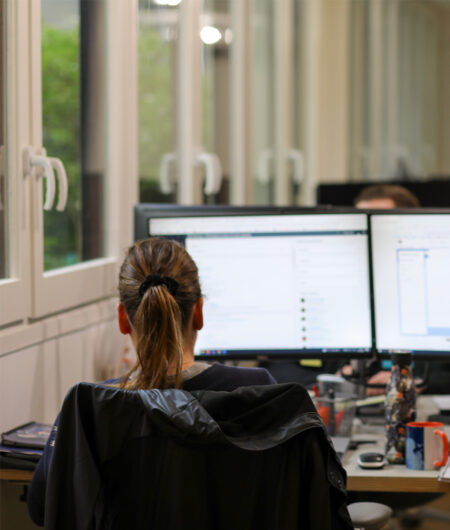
161,309
386,196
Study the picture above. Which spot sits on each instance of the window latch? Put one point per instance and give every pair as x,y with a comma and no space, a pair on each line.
32,160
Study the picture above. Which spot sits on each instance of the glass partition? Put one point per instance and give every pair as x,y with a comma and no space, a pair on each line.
399,90
262,97
216,40
157,82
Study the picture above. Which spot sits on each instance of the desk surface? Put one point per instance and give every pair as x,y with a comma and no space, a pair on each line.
391,477
16,475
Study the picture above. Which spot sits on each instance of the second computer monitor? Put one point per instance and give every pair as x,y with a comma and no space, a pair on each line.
411,269
276,284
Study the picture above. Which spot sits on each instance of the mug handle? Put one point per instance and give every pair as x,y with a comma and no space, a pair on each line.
444,448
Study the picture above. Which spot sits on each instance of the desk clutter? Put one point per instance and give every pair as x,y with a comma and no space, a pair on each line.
420,445
22,447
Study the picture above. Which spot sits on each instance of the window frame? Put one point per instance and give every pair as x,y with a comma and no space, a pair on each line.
16,287
33,293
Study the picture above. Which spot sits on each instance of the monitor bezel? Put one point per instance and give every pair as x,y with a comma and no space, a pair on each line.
418,355
146,211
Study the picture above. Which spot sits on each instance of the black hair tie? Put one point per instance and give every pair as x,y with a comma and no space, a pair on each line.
153,280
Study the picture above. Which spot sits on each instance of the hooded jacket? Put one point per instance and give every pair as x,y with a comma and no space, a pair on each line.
255,458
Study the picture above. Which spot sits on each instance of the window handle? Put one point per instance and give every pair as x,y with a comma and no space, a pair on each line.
31,160
298,163
213,171
265,159
61,174
165,183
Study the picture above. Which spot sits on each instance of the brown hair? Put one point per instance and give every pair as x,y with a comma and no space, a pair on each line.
400,196
158,317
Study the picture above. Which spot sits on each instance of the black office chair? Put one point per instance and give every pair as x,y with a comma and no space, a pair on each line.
257,457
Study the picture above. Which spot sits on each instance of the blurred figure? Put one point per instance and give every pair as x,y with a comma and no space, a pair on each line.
386,196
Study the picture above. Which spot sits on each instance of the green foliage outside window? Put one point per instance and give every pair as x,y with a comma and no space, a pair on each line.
61,137
156,108
62,127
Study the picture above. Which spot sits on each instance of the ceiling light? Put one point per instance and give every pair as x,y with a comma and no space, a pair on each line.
210,35
167,2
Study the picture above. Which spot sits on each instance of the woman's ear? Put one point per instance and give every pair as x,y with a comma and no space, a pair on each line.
197,313
122,317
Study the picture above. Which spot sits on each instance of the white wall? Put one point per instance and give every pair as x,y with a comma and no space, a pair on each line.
39,362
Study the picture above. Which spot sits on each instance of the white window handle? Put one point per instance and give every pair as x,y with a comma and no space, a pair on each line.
213,171
298,164
31,160
165,183
58,166
264,161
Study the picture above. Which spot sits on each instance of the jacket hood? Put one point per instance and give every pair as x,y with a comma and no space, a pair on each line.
252,418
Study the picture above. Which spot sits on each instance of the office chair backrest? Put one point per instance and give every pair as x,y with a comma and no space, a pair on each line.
257,457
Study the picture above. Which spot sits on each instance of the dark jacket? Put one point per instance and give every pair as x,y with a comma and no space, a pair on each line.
216,377
255,458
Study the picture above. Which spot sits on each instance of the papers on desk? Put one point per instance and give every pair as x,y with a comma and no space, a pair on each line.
22,447
31,435
442,402
444,473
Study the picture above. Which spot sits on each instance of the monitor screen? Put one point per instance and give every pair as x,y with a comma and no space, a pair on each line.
284,285
411,264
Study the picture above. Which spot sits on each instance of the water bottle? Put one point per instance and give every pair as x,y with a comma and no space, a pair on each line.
400,407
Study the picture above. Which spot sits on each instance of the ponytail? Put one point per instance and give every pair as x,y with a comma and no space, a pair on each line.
158,286
157,323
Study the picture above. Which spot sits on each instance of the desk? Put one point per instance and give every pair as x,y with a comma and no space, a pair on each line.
16,475
391,478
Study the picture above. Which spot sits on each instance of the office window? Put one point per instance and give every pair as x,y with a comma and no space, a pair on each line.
276,28
263,117
72,115
216,40
157,81
399,90
215,94
66,110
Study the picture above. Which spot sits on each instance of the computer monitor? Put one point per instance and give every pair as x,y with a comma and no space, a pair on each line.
411,267
144,211
277,283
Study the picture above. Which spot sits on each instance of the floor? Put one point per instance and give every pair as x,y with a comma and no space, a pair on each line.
442,504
